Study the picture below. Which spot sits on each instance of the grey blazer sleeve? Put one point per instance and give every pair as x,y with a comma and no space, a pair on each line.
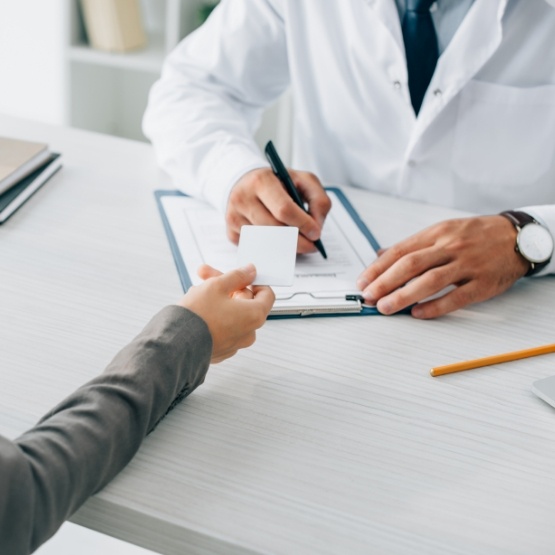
76,449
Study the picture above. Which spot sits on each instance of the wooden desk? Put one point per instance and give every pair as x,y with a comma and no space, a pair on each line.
328,436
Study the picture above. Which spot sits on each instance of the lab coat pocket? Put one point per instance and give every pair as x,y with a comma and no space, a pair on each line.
504,135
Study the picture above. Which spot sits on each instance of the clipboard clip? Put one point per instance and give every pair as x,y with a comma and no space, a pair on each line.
360,299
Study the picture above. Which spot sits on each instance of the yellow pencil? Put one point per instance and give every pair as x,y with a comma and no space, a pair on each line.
495,359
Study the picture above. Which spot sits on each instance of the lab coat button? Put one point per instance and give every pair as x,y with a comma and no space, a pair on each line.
396,85
438,93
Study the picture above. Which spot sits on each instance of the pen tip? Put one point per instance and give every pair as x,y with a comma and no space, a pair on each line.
318,244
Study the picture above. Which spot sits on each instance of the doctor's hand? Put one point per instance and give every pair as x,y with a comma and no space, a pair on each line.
259,198
476,256
231,309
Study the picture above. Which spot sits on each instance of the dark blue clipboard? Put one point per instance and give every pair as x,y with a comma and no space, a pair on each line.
186,281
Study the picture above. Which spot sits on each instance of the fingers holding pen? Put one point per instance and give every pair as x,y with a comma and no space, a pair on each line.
312,191
283,211
259,198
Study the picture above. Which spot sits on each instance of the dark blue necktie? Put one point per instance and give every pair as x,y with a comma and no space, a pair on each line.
421,49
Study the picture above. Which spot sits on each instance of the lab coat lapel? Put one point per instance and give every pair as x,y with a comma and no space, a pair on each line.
474,43
387,15
386,11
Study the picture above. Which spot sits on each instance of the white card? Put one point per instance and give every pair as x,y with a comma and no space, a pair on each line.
272,249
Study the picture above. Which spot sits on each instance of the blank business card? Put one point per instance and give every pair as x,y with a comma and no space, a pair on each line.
272,249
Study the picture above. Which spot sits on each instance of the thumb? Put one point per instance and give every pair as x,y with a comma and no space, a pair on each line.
237,279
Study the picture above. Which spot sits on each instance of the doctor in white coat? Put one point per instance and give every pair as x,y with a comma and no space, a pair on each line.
482,140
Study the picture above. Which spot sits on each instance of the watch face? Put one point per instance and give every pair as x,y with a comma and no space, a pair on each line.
535,243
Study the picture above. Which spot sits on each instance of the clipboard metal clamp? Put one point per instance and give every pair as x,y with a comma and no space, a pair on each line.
320,304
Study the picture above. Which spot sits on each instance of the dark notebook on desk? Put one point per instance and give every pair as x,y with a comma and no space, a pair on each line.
18,158
19,193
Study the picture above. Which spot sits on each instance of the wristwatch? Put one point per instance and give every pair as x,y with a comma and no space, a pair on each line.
533,241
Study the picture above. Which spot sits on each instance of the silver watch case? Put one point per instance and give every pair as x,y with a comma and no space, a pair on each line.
535,243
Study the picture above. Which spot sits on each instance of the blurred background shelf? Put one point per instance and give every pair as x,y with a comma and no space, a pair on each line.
107,92
149,59
50,73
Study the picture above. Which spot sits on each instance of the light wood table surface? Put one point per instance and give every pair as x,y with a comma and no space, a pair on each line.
328,436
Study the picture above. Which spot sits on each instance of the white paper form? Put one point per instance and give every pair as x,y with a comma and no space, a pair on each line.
320,285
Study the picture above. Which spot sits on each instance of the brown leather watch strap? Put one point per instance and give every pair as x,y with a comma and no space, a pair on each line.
518,218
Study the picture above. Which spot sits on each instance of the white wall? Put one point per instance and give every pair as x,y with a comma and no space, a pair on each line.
31,59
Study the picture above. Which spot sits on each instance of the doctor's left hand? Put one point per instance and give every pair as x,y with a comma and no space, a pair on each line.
474,255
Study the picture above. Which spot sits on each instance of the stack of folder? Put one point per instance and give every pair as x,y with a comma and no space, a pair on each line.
24,167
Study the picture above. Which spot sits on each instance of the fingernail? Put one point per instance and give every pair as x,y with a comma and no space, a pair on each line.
369,296
385,307
313,234
248,269
416,312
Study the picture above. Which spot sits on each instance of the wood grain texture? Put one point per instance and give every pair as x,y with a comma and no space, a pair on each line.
327,436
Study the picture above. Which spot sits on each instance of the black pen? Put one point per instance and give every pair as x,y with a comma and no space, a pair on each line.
282,174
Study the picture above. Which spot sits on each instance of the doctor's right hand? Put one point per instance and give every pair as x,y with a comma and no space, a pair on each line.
259,198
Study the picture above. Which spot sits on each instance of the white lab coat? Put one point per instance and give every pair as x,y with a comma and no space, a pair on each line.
484,139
